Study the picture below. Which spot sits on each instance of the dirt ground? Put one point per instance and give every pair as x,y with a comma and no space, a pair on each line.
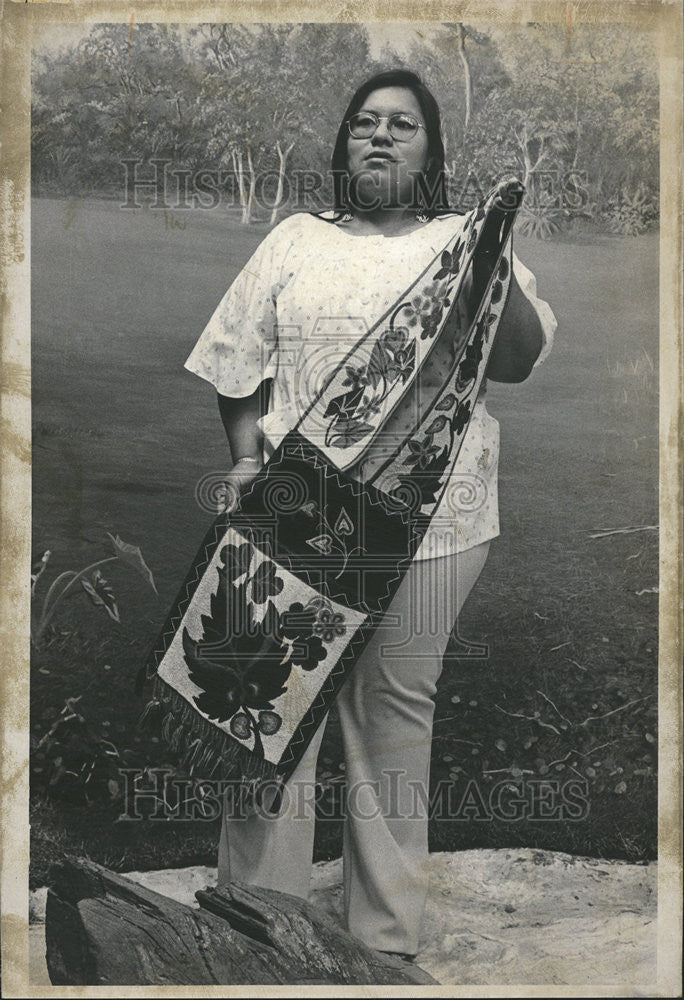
493,917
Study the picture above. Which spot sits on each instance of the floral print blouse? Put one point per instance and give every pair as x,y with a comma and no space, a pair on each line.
309,292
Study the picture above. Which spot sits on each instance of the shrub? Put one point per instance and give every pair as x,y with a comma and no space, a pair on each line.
632,212
539,221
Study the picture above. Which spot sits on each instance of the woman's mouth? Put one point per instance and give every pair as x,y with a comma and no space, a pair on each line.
379,156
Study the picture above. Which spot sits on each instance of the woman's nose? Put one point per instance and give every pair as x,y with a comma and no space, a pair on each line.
382,133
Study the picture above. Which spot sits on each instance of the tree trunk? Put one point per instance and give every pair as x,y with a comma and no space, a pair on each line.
236,156
282,163
460,35
104,930
247,214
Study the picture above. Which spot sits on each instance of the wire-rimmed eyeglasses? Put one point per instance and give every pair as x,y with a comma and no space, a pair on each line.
401,125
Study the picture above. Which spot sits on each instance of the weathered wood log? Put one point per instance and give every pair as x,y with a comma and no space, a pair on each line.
300,933
104,930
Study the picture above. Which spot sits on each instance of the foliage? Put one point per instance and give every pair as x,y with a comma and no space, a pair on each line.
263,102
97,588
632,213
539,222
71,761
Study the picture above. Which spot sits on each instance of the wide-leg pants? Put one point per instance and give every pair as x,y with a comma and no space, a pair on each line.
386,711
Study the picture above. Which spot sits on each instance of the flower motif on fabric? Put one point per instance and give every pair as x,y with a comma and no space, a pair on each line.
462,416
329,624
427,456
309,627
356,377
469,365
450,263
298,621
421,452
426,308
352,414
429,464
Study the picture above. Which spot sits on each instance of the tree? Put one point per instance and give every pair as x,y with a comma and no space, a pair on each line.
264,101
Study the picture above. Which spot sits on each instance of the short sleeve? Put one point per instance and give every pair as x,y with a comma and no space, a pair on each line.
237,349
528,285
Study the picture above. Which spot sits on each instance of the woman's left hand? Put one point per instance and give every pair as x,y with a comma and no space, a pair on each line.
238,479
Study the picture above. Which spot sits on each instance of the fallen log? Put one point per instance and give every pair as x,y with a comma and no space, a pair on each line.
300,933
104,930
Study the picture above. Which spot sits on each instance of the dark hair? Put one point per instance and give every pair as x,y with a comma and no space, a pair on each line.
431,194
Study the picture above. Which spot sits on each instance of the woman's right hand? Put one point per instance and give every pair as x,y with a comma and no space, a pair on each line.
238,479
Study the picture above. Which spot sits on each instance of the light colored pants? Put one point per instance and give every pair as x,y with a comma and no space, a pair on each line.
386,709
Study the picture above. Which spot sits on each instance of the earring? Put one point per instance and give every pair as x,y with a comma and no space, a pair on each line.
422,216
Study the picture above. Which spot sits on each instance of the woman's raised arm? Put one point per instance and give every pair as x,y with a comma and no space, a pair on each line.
519,339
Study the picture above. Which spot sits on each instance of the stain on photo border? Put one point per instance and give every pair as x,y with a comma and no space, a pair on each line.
19,19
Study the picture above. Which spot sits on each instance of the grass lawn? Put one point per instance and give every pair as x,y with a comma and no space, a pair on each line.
122,435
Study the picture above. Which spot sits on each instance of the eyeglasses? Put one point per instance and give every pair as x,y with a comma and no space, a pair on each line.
401,126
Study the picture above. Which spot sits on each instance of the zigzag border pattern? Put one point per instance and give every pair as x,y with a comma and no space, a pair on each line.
294,445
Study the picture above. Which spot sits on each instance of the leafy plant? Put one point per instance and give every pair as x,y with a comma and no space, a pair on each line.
539,221
97,588
631,213
72,761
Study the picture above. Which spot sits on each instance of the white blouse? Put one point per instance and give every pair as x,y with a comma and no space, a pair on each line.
309,292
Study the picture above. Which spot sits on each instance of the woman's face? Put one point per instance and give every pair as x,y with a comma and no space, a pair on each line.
383,170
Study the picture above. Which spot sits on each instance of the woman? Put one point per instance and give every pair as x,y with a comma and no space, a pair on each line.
312,288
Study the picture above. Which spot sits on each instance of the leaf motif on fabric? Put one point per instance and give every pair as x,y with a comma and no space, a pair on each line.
350,432
265,583
344,524
437,425
321,543
428,479
219,683
395,338
237,559
344,405
447,402
497,291
445,268
239,663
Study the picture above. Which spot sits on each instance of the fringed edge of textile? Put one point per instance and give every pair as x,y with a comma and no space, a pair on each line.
204,751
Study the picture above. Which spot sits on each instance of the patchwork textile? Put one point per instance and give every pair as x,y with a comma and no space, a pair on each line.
286,590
